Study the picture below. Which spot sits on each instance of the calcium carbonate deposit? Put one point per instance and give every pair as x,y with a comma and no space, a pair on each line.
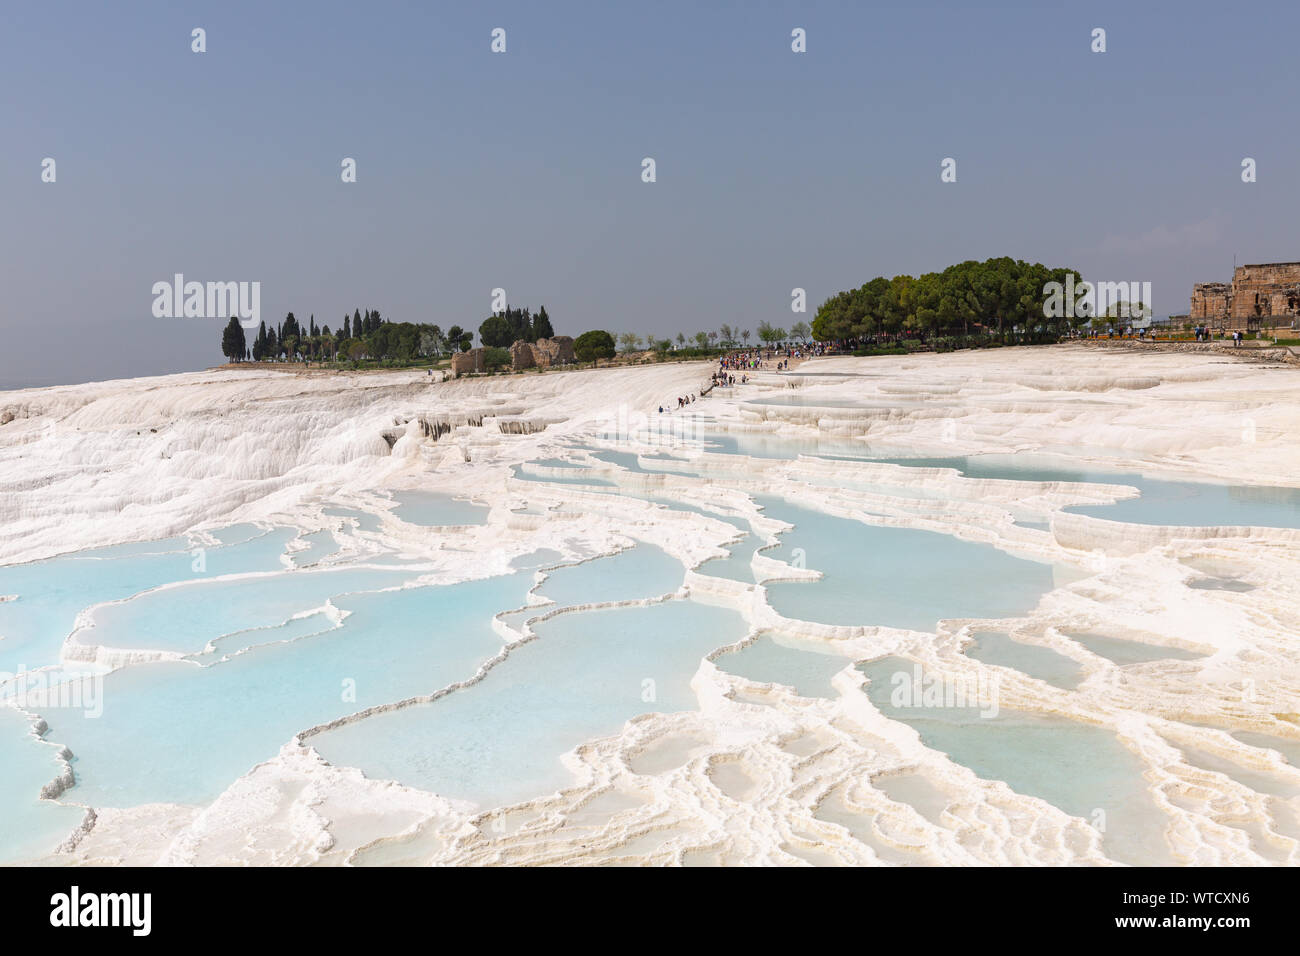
1019,606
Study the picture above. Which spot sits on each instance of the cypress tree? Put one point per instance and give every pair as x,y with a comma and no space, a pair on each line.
542,325
232,340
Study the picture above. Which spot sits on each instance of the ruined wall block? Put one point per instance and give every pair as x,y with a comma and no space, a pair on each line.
1257,291
471,361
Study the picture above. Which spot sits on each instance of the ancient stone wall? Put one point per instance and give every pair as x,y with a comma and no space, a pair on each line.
521,356
1272,289
1259,295
1210,300
557,350
471,361
543,353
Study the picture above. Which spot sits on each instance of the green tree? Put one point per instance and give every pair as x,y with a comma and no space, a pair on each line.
542,325
629,342
495,332
593,346
459,339
431,341
232,341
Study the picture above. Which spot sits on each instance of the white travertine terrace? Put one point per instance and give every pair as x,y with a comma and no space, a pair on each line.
755,774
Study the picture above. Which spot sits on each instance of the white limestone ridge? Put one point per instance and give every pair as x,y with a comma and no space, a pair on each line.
755,774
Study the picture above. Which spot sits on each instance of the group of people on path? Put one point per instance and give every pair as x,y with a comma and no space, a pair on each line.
1204,334
741,360
760,357
728,365
682,402
727,380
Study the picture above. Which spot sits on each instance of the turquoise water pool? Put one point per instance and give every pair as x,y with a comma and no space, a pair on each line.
180,732
805,667
1181,503
184,618
1081,769
500,740
50,594
432,509
1123,651
29,826
993,647
900,577
634,574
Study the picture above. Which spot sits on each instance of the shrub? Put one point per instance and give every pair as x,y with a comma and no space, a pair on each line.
593,346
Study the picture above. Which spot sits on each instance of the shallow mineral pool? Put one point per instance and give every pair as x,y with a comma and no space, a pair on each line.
1043,663
431,509
500,740
805,666
899,577
1079,768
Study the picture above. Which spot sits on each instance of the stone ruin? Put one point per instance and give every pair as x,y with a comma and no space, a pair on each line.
1257,293
474,360
544,353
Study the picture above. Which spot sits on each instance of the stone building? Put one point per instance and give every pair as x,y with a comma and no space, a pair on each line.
472,361
543,353
1259,296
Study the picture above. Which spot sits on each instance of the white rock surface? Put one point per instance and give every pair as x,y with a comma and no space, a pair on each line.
756,774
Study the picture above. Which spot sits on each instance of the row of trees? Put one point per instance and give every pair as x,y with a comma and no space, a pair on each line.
724,338
504,329
998,294
368,336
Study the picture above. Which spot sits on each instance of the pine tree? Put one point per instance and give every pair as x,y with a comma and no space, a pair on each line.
542,325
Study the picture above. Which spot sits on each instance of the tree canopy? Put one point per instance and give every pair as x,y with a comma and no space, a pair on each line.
232,341
593,346
503,329
996,294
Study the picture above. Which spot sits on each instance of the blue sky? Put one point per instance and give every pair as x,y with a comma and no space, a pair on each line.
522,170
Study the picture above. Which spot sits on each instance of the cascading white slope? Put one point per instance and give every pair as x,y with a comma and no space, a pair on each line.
756,774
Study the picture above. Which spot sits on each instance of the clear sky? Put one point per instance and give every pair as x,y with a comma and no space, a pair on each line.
522,170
